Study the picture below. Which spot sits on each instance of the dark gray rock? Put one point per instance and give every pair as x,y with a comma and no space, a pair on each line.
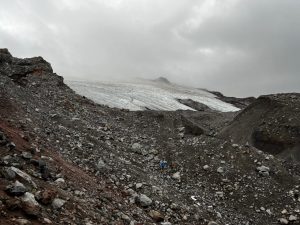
5,56
8,174
16,189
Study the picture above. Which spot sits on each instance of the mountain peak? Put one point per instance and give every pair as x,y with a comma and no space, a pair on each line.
162,80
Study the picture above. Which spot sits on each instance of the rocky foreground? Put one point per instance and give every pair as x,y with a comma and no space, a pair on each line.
67,160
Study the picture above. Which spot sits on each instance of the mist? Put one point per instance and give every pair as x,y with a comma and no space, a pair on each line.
241,48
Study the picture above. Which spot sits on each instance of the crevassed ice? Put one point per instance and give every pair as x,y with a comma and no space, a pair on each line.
150,95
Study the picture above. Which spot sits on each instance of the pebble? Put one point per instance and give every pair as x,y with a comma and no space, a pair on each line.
156,216
212,223
138,185
292,218
21,221
206,167
220,170
59,181
26,155
17,189
29,198
235,145
220,194
23,175
9,174
125,217
176,176
283,221
144,200
58,203
136,146
101,165
47,221
46,196
263,170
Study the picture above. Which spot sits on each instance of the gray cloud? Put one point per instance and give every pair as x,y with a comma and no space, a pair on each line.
239,47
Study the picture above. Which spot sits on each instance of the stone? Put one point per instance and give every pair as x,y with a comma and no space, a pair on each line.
292,218
5,56
136,146
58,203
44,169
220,194
23,175
30,209
78,193
8,174
144,200
263,170
26,155
59,181
101,166
174,206
176,176
11,145
46,196
29,198
138,185
22,221
125,217
220,170
283,221
235,145
156,216
17,189
269,211
212,223
206,167
153,151
47,221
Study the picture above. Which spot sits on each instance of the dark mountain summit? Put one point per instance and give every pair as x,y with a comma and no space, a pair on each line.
67,160
162,80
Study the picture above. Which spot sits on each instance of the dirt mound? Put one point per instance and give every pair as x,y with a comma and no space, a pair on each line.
271,123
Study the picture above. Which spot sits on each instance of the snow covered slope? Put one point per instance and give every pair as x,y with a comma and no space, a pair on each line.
144,94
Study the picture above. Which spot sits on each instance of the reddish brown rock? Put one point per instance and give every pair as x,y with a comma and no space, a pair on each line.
46,196
156,216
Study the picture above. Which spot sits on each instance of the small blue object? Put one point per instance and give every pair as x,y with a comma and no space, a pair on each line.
163,164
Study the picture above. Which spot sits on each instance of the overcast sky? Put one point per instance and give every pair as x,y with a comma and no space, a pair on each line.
238,47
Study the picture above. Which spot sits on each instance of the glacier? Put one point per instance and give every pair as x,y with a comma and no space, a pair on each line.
146,94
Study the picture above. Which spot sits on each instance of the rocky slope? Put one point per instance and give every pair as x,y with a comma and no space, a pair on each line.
271,123
67,160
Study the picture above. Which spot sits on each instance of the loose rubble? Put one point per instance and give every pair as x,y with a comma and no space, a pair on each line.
66,160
